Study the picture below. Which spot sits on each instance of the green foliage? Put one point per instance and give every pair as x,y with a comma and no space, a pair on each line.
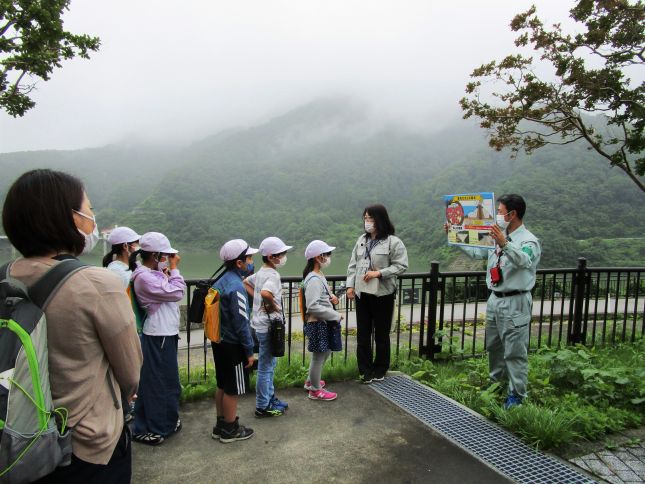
540,427
32,43
573,392
528,110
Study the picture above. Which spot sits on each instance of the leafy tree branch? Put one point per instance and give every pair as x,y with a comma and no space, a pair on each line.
32,43
581,92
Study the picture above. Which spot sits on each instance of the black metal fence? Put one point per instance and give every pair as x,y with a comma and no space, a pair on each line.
442,314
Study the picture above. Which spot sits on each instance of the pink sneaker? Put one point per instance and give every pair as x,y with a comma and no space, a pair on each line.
322,394
309,388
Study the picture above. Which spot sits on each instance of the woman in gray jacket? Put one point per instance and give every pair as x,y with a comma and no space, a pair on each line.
377,259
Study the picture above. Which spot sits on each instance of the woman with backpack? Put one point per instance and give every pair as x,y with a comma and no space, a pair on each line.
94,353
158,286
124,242
321,319
377,259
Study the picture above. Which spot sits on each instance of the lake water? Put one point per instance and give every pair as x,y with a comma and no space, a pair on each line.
200,265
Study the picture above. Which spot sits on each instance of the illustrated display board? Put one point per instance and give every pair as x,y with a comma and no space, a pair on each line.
469,217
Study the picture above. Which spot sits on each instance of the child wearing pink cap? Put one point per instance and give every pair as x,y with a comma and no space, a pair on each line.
321,319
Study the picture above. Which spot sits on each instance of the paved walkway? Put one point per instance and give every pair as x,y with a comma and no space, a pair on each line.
360,437
622,465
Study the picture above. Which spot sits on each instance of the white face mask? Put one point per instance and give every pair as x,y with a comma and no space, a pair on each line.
162,265
369,227
325,263
92,238
499,220
281,261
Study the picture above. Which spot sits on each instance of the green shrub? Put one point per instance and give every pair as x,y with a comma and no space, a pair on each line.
539,427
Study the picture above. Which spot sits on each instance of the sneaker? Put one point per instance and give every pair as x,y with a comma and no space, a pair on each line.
129,417
308,385
148,438
270,411
378,378
178,426
217,429
512,401
366,379
238,432
323,395
277,403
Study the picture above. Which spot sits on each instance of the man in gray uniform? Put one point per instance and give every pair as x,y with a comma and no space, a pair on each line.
510,275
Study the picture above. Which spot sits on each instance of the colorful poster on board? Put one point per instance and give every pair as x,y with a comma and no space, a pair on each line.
469,217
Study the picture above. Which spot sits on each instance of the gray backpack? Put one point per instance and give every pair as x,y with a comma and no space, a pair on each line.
34,437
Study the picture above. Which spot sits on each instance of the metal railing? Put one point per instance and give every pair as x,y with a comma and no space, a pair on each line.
442,314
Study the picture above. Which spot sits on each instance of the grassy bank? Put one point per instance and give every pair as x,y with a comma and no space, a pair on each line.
574,393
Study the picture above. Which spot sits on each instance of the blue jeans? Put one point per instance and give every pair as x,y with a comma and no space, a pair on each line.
266,365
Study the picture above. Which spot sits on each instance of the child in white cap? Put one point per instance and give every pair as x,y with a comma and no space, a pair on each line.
158,286
320,317
266,288
124,242
233,355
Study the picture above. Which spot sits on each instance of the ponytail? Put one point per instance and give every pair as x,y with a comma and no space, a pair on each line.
133,260
311,263
109,257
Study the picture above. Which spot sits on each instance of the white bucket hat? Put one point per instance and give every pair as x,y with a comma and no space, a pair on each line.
156,242
317,247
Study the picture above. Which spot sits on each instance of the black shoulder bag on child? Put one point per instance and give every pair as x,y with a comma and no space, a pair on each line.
195,313
276,333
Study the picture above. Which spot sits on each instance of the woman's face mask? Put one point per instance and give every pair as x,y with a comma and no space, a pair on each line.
92,238
325,262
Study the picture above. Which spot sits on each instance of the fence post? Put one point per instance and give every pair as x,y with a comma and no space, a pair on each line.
575,331
432,310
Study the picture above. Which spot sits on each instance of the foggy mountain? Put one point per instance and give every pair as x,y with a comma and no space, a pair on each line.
309,173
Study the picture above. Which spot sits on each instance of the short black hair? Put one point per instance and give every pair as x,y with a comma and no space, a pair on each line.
381,220
265,258
37,215
514,202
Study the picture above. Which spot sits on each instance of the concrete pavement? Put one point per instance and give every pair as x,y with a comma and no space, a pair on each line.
360,437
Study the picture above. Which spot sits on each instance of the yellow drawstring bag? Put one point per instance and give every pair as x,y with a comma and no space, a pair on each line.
212,315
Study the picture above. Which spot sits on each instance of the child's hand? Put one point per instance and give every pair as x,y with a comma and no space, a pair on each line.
249,361
334,299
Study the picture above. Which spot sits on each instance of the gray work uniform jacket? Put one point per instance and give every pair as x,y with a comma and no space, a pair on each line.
389,256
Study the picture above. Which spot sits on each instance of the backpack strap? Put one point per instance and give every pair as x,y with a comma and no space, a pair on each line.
44,289
4,270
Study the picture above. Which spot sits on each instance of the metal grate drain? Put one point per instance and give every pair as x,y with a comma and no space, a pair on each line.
485,440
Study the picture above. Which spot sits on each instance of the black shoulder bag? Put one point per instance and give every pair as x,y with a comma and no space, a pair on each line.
277,333
195,313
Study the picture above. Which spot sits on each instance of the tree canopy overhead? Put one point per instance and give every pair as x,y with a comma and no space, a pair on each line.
587,95
32,43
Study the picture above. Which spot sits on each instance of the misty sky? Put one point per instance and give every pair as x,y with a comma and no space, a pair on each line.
179,71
